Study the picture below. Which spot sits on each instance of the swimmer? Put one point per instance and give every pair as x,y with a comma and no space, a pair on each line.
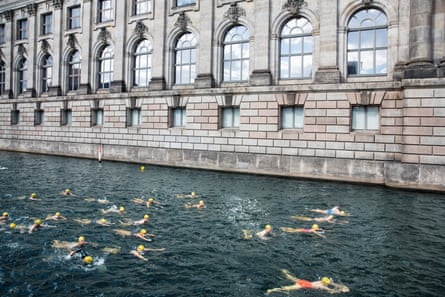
138,200
200,205
86,259
80,244
143,221
265,233
327,219
104,222
316,230
83,221
33,197
37,224
139,252
103,200
4,216
114,208
191,195
332,211
150,202
56,217
325,284
68,192
142,234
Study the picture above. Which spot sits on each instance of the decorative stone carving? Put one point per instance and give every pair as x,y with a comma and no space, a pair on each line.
234,13
104,35
8,15
21,51
366,2
182,21
44,46
31,9
71,43
294,6
57,4
140,29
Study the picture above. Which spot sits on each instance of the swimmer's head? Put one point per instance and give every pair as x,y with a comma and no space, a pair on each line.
201,202
5,214
67,191
150,200
146,217
141,248
325,280
268,227
103,220
342,212
38,222
143,231
88,260
315,227
33,195
142,168
12,226
193,193
57,214
81,239
121,209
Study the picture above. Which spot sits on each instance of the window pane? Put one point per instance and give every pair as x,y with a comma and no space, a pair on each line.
287,117
381,38
298,117
372,117
99,117
358,118
367,62
381,58
307,66
367,39
227,117
352,40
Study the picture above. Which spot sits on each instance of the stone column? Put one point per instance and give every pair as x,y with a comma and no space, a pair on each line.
32,50
260,53
205,78
8,51
57,50
440,35
85,51
159,45
118,83
420,49
328,71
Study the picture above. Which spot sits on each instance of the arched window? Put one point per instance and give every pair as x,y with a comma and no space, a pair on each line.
106,64
46,73
185,59
74,71
22,77
142,64
236,54
296,49
2,77
367,43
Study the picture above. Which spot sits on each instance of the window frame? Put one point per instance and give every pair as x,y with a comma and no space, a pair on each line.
105,62
46,73
105,14
137,4
15,117
182,76
138,69
39,115
2,33
293,56
297,112
66,117
22,76
366,115
234,112
22,29
73,78
185,3
233,45
45,26
130,118
94,117
360,50
2,77
182,114
74,21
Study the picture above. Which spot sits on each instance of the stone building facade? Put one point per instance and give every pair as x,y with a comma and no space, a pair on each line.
348,90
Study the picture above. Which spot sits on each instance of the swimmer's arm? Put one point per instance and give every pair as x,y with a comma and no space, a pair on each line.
318,234
134,253
154,250
288,275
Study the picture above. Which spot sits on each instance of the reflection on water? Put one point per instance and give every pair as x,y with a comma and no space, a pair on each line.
392,246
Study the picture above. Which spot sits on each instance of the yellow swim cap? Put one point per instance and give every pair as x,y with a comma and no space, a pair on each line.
121,208
268,227
146,217
141,248
81,238
150,200
38,222
325,280
88,259
12,225
315,227
103,220
5,214
67,190
57,214
342,212
193,193
201,202
142,168
33,195
143,231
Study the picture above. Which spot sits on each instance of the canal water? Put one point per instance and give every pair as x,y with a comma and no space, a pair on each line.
392,245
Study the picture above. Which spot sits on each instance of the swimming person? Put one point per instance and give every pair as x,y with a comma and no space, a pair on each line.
266,233
143,221
86,259
68,192
37,224
56,217
139,252
142,234
4,216
332,211
324,284
315,229
150,202
327,219
200,205
114,209
80,244
104,222
33,197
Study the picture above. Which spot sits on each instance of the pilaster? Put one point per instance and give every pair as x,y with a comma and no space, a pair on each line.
85,50
118,83
158,75
204,71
